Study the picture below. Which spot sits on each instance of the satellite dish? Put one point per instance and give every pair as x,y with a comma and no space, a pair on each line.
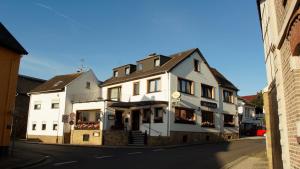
176,95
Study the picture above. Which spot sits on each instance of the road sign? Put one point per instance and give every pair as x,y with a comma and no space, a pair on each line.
65,118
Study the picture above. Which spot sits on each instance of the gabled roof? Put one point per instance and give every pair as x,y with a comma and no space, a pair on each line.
26,84
222,80
8,41
56,83
249,98
176,59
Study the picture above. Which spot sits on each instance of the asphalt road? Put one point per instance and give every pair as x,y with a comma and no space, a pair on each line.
206,156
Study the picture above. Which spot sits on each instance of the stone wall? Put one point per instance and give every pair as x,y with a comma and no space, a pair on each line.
95,137
45,139
178,137
115,138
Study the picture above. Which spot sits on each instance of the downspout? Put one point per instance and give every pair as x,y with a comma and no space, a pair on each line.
169,107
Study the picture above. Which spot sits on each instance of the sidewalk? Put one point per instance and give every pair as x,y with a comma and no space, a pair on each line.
255,161
21,159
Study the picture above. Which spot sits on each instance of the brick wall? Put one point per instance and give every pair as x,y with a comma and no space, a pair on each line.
292,94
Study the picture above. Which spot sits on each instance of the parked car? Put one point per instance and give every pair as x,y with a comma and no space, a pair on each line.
261,131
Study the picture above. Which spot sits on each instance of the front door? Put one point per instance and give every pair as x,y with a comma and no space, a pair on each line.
119,120
135,122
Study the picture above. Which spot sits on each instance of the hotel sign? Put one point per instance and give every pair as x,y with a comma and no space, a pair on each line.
209,104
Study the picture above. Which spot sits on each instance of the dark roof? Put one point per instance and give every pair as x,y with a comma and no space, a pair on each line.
26,83
8,41
168,66
222,80
56,83
135,104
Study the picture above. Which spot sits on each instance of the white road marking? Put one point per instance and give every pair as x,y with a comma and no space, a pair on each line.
101,157
62,163
158,150
134,153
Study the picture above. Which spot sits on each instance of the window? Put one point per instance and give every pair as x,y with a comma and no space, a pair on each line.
146,115
227,96
44,126
54,126
55,105
34,126
247,112
228,120
136,88
207,119
140,66
116,73
196,65
207,91
114,93
85,137
156,62
185,116
154,85
88,85
185,86
127,71
37,106
158,115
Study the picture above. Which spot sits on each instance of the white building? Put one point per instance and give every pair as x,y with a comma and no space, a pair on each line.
171,99
53,99
249,119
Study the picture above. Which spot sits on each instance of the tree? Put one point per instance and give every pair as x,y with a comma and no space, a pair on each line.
258,102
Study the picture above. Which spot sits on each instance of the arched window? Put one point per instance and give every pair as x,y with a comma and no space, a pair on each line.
294,32
294,39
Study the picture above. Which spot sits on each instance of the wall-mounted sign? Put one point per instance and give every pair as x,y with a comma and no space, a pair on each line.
96,134
111,117
209,104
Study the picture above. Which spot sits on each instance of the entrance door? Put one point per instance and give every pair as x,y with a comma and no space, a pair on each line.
135,122
119,120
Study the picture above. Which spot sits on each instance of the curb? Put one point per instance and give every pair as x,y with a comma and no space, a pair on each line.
142,147
30,164
235,162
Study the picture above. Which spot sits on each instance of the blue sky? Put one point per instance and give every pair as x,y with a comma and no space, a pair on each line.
109,33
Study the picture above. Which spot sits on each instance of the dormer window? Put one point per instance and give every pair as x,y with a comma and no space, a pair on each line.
127,71
116,73
88,85
156,62
196,65
140,66
58,83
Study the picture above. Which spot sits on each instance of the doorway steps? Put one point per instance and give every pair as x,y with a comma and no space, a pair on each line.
137,138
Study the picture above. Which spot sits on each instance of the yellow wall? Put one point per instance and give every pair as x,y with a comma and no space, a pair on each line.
77,135
9,67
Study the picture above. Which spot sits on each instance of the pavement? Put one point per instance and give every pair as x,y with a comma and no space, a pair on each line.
251,161
235,154
22,159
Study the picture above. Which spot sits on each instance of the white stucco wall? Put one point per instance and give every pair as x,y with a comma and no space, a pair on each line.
186,70
46,114
76,90
127,90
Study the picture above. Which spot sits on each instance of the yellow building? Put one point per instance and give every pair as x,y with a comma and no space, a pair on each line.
10,55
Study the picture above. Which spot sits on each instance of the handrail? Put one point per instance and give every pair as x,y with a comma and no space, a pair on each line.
158,132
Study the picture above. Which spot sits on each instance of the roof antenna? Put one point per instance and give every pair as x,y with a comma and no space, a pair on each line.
81,68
